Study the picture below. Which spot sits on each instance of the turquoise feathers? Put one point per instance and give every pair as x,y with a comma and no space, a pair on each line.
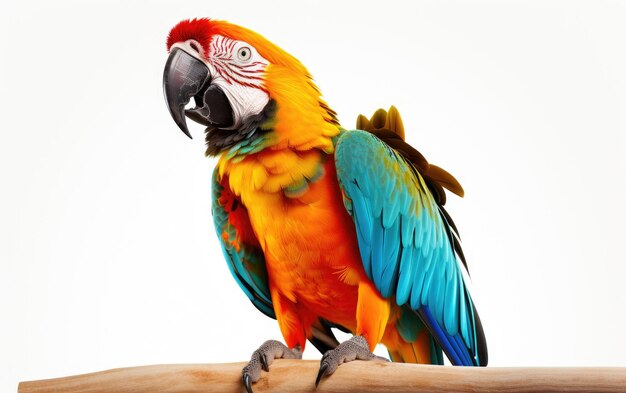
405,242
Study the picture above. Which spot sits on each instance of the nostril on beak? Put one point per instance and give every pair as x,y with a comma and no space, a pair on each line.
194,46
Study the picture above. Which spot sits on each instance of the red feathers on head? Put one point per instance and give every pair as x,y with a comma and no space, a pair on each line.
199,29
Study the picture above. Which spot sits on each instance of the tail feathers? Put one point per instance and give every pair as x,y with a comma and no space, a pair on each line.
455,347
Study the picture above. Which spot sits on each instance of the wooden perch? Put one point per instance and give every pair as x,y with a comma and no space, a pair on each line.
357,376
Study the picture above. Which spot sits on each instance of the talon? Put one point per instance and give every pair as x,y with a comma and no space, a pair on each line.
262,358
321,373
354,349
246,382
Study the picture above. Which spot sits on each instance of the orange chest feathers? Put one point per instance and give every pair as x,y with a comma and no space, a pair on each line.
310,245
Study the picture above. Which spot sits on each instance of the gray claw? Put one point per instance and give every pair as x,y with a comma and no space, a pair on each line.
321,373
246,383
353,349
263,357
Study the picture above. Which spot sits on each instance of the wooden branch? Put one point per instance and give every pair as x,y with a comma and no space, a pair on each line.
357,376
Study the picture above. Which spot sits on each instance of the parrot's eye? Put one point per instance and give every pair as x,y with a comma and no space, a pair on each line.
244,53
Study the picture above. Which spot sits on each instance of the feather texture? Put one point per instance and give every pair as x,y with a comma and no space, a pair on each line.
246,260
383,264
405,220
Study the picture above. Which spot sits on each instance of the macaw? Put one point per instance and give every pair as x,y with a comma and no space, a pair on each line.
322,227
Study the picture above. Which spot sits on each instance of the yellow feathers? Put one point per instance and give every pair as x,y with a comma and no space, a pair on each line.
302,120
303,126
270,171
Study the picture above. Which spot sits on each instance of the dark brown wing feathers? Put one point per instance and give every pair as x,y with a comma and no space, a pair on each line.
388,127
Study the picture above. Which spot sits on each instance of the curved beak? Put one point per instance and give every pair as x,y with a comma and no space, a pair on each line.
184,77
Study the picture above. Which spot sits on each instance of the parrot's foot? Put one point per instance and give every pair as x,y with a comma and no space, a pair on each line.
355,348
263,357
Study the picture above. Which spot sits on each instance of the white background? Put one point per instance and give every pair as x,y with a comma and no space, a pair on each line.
108,257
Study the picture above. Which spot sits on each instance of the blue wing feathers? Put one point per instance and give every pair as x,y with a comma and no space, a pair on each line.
439,299
451,321
390,269
441,337
408,227
366,253
362,211
377,254
463,315
419,275
412,254
406,273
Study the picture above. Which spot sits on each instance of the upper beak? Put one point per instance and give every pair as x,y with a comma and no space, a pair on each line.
183,77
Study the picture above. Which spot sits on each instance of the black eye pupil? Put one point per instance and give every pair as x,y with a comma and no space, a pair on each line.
244,53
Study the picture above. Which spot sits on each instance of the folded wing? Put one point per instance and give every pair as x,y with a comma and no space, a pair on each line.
407,245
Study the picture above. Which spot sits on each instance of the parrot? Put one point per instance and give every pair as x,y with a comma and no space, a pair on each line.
322,227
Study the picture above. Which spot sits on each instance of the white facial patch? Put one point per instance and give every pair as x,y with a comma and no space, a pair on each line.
237,68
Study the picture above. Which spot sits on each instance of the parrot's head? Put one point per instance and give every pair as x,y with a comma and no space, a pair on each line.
248,92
